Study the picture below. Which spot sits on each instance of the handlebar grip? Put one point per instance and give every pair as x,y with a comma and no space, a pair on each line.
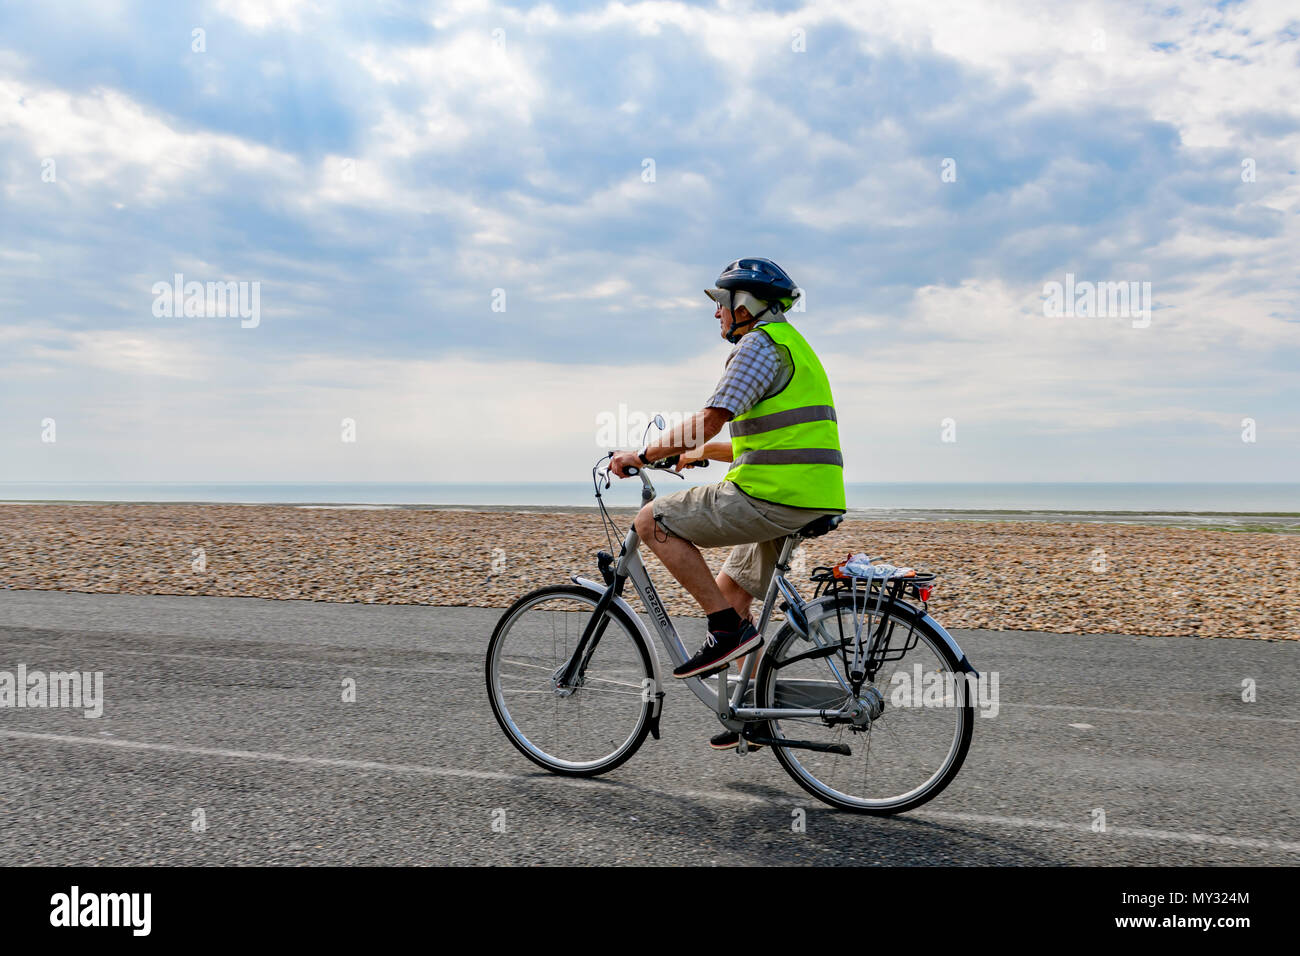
666,463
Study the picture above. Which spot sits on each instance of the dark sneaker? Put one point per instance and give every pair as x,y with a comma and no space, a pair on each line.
729,740
720,649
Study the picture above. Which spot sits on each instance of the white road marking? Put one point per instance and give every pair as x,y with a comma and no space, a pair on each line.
337,763
1145,833
263,660
1082,726
1201,715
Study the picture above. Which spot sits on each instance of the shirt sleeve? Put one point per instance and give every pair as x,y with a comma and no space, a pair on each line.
752,370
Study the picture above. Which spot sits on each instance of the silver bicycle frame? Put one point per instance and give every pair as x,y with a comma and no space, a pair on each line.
729,711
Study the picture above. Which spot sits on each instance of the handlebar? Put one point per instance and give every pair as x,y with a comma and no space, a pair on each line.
664,464
647,489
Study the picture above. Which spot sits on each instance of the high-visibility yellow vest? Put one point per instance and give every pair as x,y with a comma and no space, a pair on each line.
786,449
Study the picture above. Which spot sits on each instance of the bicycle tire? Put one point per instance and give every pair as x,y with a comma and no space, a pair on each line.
502,628
763,693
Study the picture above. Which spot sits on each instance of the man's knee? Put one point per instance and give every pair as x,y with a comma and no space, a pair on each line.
645,523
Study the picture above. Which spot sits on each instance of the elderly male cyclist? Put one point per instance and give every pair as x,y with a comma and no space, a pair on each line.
786,466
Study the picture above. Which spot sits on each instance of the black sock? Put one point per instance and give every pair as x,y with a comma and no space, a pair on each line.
724,620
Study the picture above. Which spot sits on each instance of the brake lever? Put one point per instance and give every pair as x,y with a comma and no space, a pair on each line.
604,472
667,465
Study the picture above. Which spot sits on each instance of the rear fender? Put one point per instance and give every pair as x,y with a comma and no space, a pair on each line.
914,615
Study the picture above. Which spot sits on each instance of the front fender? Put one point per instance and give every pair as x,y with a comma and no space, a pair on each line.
635,618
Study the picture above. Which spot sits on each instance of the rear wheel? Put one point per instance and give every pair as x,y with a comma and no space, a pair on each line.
901,758
584,730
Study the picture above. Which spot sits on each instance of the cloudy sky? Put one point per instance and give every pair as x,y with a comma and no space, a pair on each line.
387,173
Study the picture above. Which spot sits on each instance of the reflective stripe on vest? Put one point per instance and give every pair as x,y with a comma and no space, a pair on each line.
795,416
790,456
786,448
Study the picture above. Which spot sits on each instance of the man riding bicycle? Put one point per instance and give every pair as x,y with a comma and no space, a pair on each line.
786,465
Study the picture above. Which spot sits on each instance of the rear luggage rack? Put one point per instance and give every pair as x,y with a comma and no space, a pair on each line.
878,585
918,586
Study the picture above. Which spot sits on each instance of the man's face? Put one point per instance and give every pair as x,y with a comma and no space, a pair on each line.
724,317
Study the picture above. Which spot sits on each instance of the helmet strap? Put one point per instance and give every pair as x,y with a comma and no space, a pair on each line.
731,335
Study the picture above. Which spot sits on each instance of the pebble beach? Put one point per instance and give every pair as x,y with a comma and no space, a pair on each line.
1060,577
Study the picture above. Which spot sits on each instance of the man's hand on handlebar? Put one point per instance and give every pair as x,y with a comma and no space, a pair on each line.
691,459
622,461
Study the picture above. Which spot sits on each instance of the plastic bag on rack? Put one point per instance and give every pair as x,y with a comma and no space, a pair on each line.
859,566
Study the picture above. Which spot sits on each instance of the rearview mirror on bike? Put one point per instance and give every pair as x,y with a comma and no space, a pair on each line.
656,422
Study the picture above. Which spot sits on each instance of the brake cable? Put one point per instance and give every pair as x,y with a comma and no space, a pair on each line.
607,522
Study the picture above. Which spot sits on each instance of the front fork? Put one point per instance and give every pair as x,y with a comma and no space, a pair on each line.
569,676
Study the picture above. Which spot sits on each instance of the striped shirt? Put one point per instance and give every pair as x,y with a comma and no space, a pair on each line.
756,368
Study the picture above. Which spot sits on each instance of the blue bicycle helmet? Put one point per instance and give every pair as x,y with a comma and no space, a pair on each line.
761,278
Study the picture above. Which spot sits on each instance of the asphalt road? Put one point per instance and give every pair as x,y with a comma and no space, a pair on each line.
233,707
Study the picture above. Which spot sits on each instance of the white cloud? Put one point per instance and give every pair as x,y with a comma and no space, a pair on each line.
259,15
127,353
105,138
501,166
1219,69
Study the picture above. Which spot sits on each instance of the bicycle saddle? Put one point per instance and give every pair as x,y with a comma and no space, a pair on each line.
823,525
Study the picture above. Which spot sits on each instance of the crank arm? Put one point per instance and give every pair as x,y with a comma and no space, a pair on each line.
841,749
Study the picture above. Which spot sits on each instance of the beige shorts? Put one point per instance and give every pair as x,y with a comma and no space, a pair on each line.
715,516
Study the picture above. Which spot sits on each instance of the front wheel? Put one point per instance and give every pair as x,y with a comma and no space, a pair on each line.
581,730
911,749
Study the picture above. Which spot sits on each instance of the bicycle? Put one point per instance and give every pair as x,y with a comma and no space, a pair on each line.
579,654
